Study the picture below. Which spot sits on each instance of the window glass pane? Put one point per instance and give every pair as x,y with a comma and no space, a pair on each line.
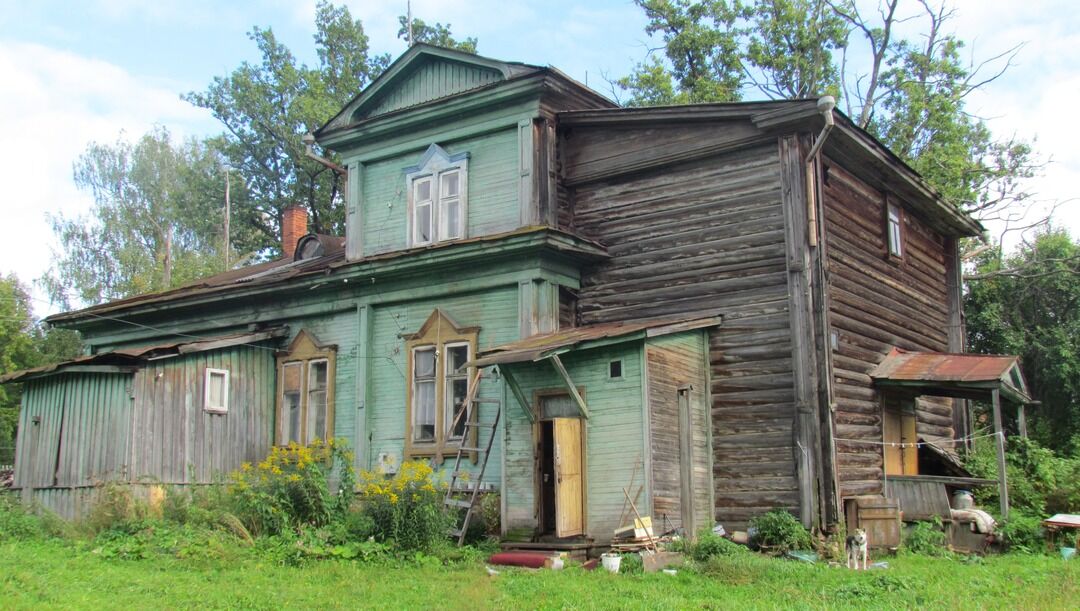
558,406
424,363
424,410
291,405
457,393
316,401
423,223
423,190
450,183
452,220
290,402
456,356
217,390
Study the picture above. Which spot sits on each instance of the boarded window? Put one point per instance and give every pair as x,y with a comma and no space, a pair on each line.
216,390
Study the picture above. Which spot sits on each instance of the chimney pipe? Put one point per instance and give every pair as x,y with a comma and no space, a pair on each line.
293,227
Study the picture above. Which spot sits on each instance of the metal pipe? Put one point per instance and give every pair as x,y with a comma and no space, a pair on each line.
309,151
825,106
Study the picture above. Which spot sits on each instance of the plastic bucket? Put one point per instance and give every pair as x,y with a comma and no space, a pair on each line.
611,562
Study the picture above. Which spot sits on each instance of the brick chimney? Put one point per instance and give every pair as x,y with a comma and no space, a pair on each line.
293,227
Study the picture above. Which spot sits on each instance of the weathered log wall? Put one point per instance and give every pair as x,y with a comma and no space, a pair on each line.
876,303
689,235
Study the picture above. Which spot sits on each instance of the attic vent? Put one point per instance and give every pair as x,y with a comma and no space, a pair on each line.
309,247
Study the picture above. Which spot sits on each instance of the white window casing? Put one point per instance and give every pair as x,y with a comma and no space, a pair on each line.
216,390
895,230
438,200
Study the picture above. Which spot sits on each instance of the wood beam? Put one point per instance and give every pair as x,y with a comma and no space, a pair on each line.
999,440
578,399
511,381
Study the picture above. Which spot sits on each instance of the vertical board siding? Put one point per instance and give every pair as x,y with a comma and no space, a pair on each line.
492,191
673,362
708,236
495,312
176,441
614,442
874,305
82,435
433,80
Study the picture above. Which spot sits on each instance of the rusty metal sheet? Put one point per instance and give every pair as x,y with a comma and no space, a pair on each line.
943,367
537,346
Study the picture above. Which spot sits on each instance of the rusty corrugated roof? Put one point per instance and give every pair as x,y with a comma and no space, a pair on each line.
952,370
132,357
538,346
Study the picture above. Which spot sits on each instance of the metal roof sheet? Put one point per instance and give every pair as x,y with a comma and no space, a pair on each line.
536,347
130,357
951,369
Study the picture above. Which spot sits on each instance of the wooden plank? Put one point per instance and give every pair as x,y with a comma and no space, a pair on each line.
578,399
569,517
999,445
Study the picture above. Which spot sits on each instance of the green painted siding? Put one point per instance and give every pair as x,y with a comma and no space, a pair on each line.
492,191
494,311
614,441
433,80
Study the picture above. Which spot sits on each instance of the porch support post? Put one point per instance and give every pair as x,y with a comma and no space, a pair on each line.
557,362
1021,420
999,440
511,381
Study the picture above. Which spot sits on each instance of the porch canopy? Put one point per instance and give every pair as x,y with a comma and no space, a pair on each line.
548,347
981,377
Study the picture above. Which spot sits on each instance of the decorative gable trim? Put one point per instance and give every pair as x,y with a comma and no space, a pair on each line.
432,152
439,317
306,343
371,100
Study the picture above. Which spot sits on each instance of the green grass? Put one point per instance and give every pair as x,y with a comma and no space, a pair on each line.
55,574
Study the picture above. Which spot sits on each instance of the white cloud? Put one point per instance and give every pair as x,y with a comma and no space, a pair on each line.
52,104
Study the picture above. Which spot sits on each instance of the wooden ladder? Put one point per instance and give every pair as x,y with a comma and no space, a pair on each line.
465,497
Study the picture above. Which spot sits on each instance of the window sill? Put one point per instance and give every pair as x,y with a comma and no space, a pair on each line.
216,410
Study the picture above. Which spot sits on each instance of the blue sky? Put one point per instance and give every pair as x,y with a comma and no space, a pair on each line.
71,73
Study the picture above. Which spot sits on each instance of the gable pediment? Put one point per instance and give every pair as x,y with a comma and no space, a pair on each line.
424,74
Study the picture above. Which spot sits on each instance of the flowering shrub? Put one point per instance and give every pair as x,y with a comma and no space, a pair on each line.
290,487
406,509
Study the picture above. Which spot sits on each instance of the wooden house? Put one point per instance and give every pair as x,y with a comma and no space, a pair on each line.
681,305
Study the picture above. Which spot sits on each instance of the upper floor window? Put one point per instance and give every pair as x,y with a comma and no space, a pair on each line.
437,197
438,385
305,406
895,230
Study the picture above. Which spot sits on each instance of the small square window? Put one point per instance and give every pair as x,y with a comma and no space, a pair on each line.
615,369
216,390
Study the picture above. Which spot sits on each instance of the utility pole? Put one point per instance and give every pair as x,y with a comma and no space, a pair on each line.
227,210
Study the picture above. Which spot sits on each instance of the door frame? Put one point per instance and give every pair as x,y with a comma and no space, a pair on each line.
537,458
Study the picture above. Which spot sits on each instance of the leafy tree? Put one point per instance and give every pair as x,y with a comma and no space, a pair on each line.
267,107
1029,304
23,344
910,93
154,223
437,34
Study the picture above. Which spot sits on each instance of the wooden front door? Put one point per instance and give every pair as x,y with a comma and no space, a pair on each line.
569,514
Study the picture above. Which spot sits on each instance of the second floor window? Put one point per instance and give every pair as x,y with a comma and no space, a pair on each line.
437,197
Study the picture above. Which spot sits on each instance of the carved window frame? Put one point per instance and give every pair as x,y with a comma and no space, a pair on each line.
304,352
435,170
439,332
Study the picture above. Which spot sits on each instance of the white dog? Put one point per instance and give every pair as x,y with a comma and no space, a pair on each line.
856,546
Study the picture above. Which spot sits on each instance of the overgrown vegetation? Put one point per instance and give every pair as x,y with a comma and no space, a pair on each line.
780,531
926,538
406,509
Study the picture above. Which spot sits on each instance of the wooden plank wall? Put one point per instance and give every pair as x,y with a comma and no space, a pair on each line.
175,441
875,304
673,362
83,431
702,236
